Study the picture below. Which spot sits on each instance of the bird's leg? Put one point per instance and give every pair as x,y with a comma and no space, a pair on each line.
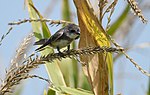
60,53
58,49
68,47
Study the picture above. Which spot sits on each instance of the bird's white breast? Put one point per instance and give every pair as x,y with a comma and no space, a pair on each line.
72,35
60,43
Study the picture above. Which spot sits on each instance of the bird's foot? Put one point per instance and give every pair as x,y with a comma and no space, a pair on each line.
61,54
66,51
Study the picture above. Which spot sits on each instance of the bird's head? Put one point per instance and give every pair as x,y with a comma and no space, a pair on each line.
73,31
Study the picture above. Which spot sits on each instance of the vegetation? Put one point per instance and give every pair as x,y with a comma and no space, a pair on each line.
94,54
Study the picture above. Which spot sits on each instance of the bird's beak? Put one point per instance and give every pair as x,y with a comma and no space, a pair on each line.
77,36
78,33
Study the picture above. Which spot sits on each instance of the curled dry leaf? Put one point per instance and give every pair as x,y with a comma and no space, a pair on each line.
98,68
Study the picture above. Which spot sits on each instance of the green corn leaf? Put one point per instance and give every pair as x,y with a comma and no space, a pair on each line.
69,67
53,68
72,91
119,21
45,29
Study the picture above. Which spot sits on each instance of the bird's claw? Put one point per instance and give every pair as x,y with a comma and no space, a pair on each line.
61,54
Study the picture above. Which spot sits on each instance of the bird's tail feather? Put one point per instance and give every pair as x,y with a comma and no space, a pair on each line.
41,42
44,44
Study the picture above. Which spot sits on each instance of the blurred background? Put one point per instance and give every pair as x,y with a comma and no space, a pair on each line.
132,34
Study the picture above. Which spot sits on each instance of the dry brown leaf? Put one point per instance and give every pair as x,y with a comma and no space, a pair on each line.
92,34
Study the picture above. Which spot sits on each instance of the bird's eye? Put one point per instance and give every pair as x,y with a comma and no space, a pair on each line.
72,31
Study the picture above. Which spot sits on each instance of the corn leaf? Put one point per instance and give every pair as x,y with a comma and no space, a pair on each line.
51,92
35,25
85,85
99,68
119,21
53,68
66,10
148,92
69,67
73,91
45,29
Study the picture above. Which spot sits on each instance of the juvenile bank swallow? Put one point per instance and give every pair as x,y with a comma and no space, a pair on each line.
61,38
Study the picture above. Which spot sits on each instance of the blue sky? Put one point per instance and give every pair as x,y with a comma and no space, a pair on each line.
128,80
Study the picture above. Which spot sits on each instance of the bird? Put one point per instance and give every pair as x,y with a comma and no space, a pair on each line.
62,38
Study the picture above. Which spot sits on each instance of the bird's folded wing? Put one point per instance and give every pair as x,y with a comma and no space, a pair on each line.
40,42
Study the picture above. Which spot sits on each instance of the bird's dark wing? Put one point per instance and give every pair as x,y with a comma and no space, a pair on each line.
53,38
57,35
41,41
45,44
